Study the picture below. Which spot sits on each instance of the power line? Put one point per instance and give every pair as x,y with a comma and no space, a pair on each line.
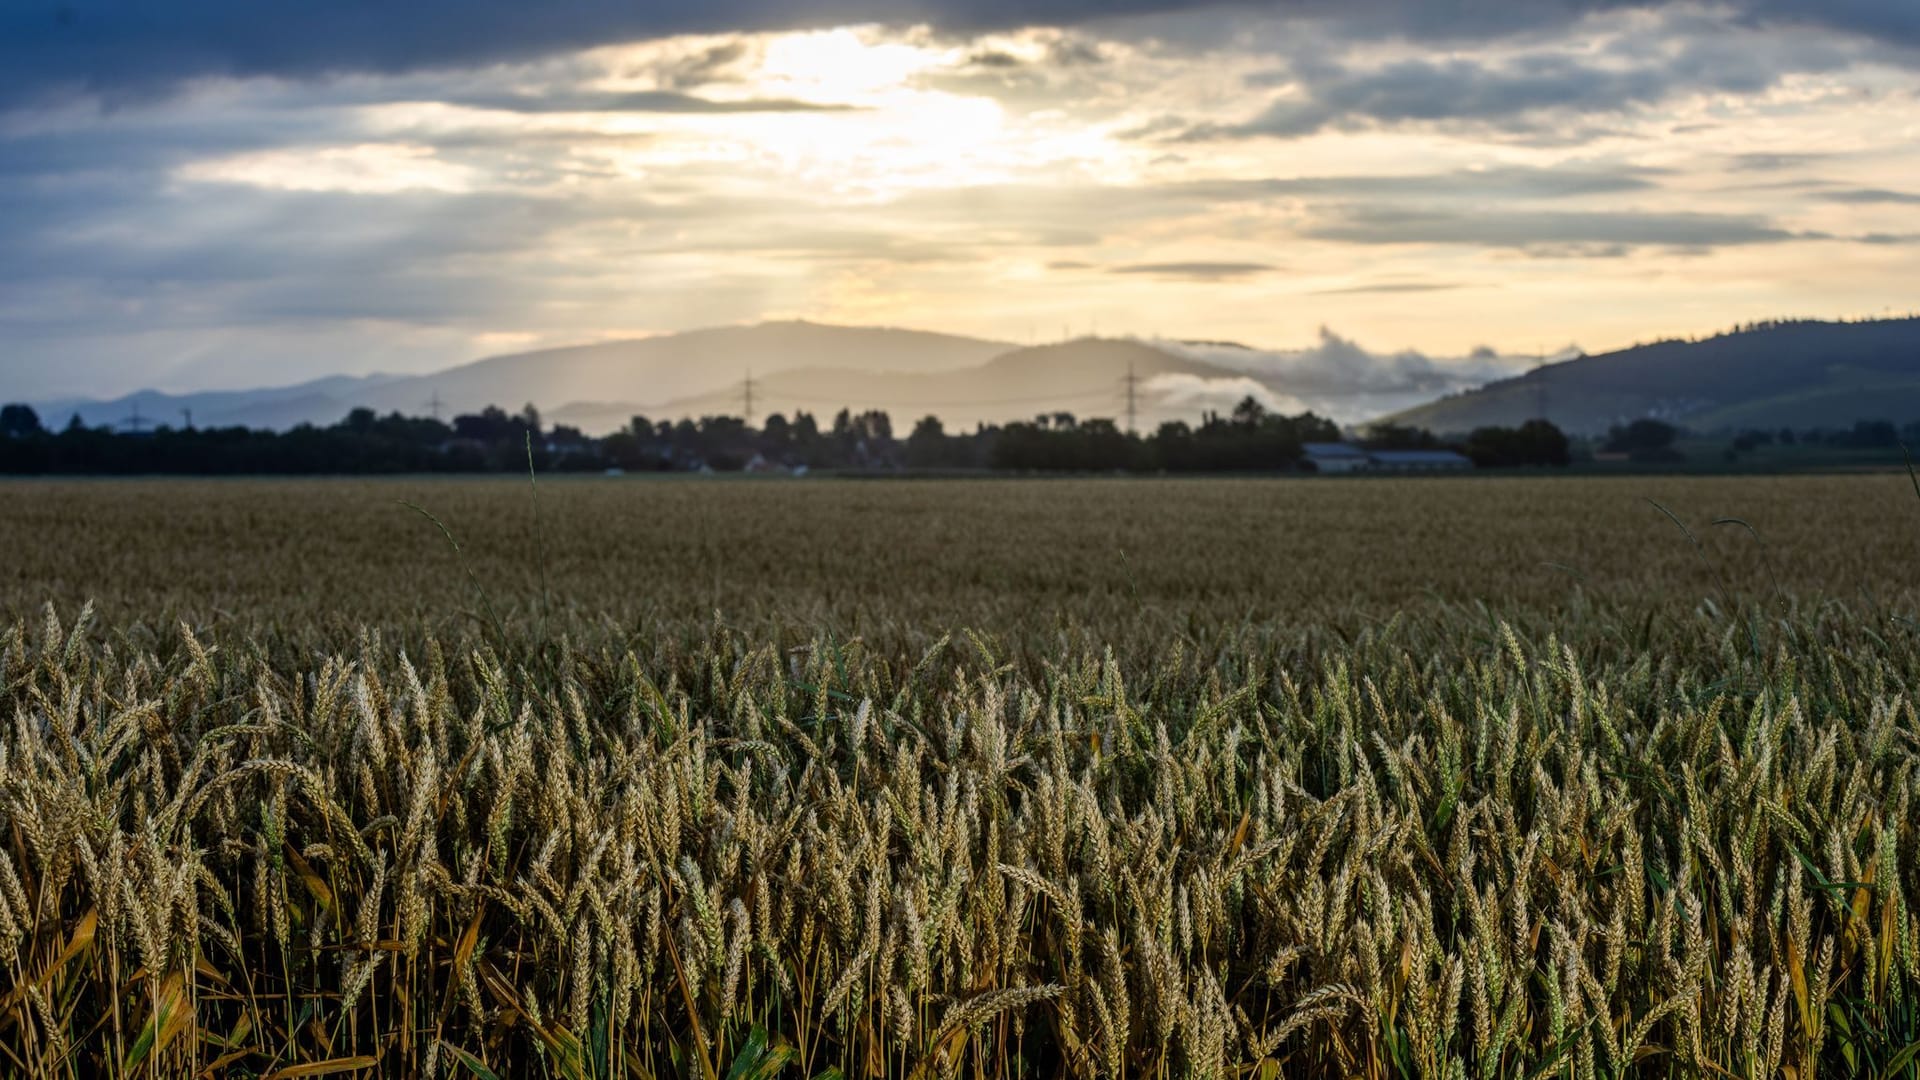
1039,399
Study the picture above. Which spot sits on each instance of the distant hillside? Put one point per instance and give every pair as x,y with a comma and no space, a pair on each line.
276,407
658,369
1084,377
1799,374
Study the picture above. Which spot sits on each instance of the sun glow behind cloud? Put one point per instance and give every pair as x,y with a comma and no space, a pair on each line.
845,64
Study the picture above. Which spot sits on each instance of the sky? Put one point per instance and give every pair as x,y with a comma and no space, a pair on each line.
214,194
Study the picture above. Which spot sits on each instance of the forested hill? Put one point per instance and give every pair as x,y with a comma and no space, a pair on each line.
1768,375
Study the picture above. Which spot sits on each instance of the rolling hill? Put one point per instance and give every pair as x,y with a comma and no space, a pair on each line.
657,369
1800,374
1084,377
795,365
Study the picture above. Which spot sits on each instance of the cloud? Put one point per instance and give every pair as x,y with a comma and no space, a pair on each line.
1196,271
1395,287
644,101
1421,90
1772,161
1548,95
702,67
1335,364
1872,196
366,169
1336,376
1188,394
129,49
1087,211
1494,182
1548,232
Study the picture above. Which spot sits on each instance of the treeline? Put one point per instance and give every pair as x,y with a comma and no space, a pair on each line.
1863,435
1250,438
1650,441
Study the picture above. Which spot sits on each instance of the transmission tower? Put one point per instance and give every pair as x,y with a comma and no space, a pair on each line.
1540,387
1132,382
134,421
433,405
747,396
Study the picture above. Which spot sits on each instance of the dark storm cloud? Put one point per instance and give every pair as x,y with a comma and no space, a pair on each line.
127,49
1893,21
1546,95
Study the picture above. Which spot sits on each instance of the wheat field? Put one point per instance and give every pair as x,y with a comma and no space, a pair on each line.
1461,778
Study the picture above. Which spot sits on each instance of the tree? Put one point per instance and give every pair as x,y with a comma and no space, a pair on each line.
1645,440
19,422
1542,443
1389,436
927,445
776,432
1536,442
1874,434
1643,436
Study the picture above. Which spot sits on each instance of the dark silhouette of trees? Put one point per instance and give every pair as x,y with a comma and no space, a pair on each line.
1645,439
1250,438
928,447
1400,437
1536,442
19,422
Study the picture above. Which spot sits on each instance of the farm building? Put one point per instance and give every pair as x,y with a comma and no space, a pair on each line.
1333,457
1419,460
1340,457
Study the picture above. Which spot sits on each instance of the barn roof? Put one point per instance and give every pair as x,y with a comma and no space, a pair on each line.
1420,457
